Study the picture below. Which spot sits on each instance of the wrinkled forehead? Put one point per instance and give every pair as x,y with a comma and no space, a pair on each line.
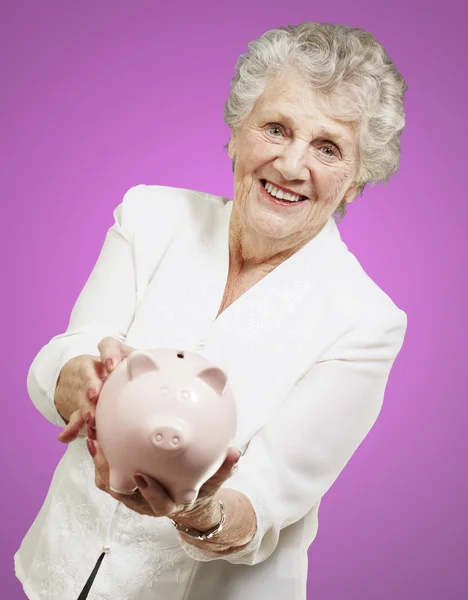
290,96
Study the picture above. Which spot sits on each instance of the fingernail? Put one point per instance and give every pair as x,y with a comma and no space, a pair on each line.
87,417
92,433
109,364
91,447
91,392
234,469
140,482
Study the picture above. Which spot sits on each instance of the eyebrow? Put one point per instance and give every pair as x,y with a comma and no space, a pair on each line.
321,132
327,133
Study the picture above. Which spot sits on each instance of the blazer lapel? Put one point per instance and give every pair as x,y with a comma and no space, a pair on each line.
263,338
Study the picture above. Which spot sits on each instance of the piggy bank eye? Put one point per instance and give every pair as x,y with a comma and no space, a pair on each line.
185,395
163,391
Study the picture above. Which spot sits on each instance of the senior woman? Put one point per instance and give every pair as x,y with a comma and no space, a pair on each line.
264,286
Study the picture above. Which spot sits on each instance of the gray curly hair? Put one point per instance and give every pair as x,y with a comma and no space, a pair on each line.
338,61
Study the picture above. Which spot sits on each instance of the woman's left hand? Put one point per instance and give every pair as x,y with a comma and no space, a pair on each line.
153,500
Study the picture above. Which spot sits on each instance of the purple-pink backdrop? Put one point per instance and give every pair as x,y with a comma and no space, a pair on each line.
99,96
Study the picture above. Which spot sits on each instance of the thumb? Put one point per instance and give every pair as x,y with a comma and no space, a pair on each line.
112,352
71,431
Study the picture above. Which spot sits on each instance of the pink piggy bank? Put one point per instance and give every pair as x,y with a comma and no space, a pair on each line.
168,414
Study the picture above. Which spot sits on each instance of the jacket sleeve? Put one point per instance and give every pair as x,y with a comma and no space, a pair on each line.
297,456
105,307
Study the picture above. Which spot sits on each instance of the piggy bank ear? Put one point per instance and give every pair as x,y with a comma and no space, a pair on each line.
215,378
139,363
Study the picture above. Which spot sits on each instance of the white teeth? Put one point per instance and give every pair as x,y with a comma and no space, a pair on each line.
274,191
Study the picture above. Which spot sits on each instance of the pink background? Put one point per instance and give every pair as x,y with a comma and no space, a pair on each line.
97,96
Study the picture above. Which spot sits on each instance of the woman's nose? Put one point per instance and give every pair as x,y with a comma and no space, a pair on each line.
292,161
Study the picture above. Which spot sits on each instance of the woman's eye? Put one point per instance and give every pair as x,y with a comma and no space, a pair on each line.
275,130
329,151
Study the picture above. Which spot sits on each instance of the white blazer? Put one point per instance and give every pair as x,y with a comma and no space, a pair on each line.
308,351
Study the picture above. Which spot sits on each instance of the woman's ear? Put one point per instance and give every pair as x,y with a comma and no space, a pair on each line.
352,192
232,146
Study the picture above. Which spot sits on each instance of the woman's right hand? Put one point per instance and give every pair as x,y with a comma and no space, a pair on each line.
79,385
76,394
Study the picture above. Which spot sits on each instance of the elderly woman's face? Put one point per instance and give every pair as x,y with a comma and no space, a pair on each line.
286,147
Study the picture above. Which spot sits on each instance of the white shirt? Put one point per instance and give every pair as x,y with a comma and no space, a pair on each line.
308,351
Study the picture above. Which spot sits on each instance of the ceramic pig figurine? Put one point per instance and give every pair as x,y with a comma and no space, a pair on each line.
168,414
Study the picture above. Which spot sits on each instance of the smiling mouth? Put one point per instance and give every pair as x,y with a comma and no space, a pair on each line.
281,194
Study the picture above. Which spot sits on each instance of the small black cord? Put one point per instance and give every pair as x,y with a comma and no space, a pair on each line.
89,583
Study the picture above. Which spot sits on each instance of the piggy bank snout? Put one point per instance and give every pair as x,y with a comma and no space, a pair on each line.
170,435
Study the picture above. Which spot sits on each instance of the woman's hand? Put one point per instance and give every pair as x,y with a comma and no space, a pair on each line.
80,383
153,500
112,352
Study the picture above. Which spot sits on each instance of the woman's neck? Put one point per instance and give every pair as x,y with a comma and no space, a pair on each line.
248,251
